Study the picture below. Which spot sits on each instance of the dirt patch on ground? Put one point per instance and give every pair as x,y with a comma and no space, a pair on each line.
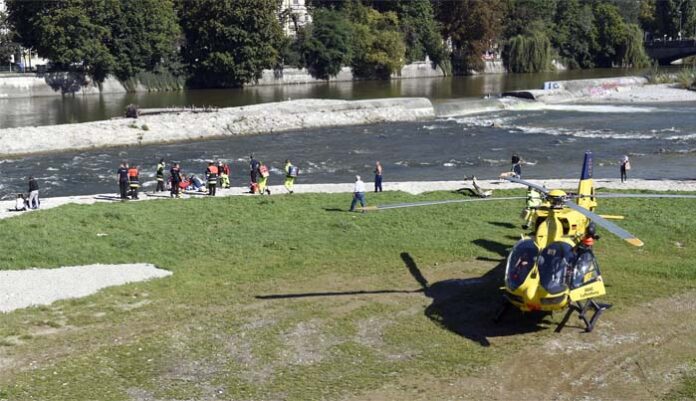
636,354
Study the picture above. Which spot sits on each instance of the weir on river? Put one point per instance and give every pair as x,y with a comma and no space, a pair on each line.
659,138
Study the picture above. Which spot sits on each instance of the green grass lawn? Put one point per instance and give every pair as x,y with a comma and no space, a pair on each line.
291,297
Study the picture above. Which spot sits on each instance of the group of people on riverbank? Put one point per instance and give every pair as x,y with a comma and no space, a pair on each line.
216,175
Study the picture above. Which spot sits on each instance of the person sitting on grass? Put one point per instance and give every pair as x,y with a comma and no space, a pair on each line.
20,203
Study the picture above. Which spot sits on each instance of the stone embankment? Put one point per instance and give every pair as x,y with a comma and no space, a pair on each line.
180,126
580,89
69,83
55,84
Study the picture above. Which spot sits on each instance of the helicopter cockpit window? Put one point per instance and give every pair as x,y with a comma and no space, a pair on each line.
520,263
586,270
554,263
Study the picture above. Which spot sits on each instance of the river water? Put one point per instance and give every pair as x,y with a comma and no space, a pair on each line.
659,138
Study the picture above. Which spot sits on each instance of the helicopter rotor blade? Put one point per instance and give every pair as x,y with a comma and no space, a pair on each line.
611,227
528,184
432,203
647,196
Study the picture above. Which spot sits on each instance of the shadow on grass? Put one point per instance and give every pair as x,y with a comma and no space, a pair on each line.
493,246
502,224
335,209
336,294
467,307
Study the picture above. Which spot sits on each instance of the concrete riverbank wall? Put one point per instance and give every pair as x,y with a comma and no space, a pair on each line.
574,90
64,83
192,125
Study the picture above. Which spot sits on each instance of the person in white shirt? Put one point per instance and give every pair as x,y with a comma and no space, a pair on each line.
358,193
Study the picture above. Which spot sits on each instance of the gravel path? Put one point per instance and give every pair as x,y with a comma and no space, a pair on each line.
24,288
412,187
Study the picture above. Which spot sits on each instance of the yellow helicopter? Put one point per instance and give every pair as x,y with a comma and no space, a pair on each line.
554,268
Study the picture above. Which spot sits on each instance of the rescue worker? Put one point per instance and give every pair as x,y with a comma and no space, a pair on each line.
219,165
290,175
211,173
134,181
533,202
588,239
225,176
175,176
253,172
263,179
122,177
160,176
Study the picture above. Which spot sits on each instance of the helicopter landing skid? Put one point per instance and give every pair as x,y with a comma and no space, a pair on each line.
582,310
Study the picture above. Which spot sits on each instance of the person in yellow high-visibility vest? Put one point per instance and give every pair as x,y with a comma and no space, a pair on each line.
263,179
290,175
533,202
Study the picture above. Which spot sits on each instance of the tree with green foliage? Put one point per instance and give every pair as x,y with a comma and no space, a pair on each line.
575,36
472,27
144,34
646,15
327,45
98,37
378,48
618,43
7,46
419,27
611,35
632,51
673,17
520,15
73,34
229,42
528,53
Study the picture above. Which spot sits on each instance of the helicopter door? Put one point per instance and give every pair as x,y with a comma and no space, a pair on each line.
520,263
555,262
586,270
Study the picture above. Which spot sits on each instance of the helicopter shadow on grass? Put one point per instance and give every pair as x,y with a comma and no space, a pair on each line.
502,224
467,307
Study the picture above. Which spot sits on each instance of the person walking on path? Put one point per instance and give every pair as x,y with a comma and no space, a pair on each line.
160,176
290,175
211,174
253,171
175,176
33,193
134,181
624,166
358,193
264,173
378,177
122,177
